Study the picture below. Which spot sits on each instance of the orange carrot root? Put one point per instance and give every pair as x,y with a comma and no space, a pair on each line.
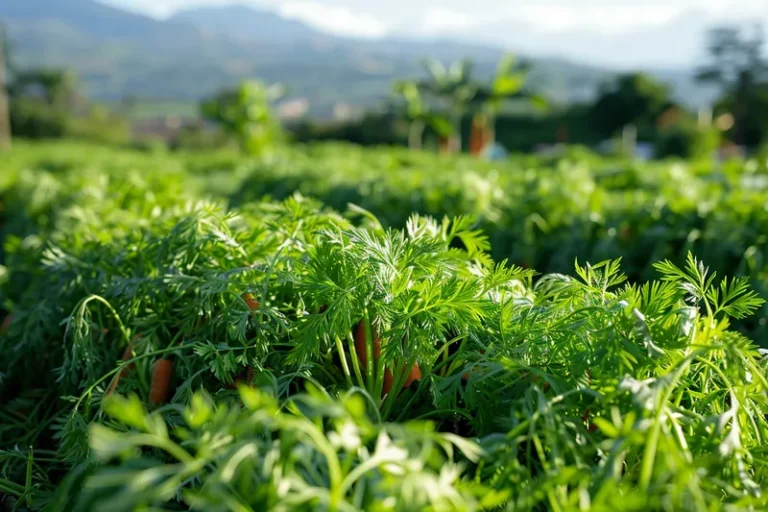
243,377
161,381
361,349
591,427
389,380
249,299
465,376
360,345
127,355
6,323
413,376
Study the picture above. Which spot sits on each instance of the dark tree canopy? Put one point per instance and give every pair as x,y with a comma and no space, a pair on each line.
738,65
634,98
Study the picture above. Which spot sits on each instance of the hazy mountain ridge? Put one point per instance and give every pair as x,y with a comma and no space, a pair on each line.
197,51
243,22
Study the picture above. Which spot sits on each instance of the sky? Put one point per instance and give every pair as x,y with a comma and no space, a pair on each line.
376,18
620,34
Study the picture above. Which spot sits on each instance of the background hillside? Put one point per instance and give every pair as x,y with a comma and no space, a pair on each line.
195,52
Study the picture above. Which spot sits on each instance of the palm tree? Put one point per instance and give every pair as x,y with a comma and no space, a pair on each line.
419,114
508,84
453,88
738,65
5,120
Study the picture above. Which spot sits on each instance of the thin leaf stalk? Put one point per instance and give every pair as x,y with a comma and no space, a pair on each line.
369,349
355,361
343,358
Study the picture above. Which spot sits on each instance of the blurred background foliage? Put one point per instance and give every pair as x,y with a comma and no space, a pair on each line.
450,109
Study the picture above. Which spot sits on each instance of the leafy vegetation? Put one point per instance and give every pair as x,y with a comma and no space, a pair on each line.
245,115
173,340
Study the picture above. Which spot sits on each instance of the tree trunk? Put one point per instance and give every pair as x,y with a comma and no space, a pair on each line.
483,133
477,135
5,121
444,144
415,135
738,118
454,141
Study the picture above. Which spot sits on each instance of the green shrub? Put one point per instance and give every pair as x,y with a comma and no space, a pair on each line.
686,140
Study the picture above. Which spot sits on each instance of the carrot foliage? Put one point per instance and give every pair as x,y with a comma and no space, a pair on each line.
586,391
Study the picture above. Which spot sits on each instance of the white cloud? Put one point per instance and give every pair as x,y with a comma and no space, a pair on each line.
614,18
156,8
441,19
373,18
335,19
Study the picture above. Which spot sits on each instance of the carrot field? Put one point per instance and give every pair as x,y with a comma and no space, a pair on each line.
334,328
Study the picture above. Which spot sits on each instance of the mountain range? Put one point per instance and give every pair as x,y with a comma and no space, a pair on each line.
677,43
198,51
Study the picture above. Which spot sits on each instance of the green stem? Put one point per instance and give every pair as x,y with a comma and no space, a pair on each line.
407,407
367,397
10,487
649,454
344,365
173,449
98,298
369,348
397,385
439,412
28,482
334,466
389,399
444,361
378,388
355,361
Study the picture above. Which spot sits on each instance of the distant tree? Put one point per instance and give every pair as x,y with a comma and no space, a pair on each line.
419,114
246,114
634,98
752,129
42,102
56,88
5,66
737,64
453,89
507,85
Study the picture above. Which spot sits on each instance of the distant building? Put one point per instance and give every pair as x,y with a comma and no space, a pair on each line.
495,151
293,109
729,151
549,150
346,112
166,128
642,150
